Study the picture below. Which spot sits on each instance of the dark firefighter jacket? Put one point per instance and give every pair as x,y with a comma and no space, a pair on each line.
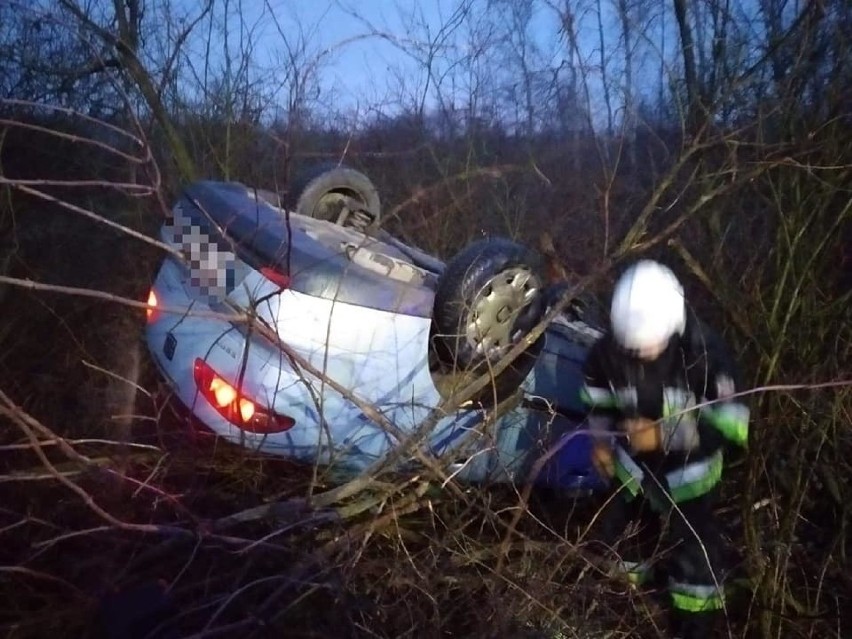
696,368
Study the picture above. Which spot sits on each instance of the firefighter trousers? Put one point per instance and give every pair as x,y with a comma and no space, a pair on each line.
646,534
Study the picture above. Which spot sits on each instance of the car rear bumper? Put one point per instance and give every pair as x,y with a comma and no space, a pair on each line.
262,372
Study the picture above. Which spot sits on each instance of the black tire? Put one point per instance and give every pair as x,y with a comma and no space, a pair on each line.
590,309
327,190
497,286
585,307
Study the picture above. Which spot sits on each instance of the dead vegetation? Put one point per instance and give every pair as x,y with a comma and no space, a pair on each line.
105,489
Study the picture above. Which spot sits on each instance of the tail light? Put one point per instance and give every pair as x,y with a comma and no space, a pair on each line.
152,305
238,409
281,280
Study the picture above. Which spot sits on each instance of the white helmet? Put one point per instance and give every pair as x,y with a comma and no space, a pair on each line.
648,308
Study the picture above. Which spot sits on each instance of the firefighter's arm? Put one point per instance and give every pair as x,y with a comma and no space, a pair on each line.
724,412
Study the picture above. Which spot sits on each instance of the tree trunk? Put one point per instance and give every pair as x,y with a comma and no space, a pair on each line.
687,47
125,45
629,115
604,74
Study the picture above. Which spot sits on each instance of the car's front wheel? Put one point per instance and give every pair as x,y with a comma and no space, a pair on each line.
488,299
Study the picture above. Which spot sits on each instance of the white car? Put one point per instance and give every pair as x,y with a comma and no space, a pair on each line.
349,320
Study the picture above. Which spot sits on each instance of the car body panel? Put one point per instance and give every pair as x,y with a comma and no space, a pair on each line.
374,342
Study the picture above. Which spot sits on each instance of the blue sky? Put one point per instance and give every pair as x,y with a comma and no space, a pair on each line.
369,42
369,48
356,63
364,64
371,52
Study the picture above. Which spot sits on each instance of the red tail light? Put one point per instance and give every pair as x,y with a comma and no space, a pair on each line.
281,280
238,409
152,305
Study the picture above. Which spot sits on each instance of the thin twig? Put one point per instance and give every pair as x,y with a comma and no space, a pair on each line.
99,219
43,576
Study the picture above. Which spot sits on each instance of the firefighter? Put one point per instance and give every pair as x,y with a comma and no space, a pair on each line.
661,388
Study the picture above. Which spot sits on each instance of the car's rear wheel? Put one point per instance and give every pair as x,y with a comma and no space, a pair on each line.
487,301
336,193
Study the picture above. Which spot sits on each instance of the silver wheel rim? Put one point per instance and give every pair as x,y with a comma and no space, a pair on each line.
491,329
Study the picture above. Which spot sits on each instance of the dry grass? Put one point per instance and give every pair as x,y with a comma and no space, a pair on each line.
105,488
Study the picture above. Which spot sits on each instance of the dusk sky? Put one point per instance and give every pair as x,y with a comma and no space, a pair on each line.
364,68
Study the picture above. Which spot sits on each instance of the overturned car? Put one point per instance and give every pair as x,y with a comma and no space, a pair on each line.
356,340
